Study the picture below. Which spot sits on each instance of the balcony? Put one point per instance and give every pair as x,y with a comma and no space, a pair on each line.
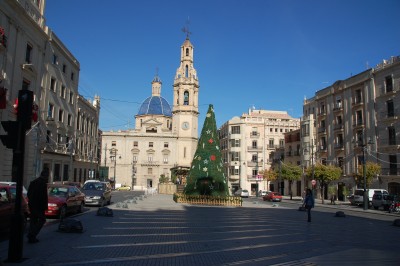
338,108
254,178
234,177
357,101
254,148
358,123
388,116
390,171
339,146
338,126
150,163
254,134
252,163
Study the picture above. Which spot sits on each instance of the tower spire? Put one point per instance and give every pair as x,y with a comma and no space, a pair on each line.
186,30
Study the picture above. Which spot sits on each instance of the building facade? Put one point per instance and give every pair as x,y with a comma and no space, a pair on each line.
33,58
164,139
249,145
354,117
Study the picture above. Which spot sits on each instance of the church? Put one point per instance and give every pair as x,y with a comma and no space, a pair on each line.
164,139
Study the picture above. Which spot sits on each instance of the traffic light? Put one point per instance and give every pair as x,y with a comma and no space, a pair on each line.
10,140
25,101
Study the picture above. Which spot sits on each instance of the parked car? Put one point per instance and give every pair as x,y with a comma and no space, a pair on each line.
244,193
359,195
7,206
382,200
64,199
10,183
97,193
262,193
351,199
272,196
124,188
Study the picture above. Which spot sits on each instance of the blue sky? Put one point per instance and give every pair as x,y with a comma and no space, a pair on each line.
262,53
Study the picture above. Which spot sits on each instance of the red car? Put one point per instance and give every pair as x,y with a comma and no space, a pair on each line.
273,196
7,206
64,199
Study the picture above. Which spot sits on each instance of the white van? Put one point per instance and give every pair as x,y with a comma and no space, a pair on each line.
359,195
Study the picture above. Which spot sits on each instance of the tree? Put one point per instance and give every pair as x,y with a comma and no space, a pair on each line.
206,176
291,172
324,174
372,170
163,179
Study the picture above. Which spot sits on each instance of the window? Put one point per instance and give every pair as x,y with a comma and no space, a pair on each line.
186,98
165,144
113,143
53,84
55,59
151,144
50,111
281,130
389,83
64,68
390,108
71,97
276,130
186,71
149,171
254,173
63,91
60,115
187,51
271,129
281,143
28,54
392,135
72,75
235,142
165,159
254,158
235,156
338,104
357,97
254,144
48,136
134,159
59,138
359,118
69,120
135,144
235,129
271,143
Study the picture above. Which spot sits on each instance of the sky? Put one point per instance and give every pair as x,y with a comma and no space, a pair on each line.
262,53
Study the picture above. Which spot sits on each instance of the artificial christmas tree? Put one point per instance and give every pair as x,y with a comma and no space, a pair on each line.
206,175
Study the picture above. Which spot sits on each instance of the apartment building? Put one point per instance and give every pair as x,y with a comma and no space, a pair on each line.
250,144
32,57
353,117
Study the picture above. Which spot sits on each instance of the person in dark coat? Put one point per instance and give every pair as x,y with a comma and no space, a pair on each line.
37,201
309,203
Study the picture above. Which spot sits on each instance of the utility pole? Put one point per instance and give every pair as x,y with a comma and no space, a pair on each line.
15,139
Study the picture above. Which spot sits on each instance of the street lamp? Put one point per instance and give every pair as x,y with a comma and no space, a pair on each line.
113,157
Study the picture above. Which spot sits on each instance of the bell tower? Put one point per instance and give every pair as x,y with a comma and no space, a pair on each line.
185,109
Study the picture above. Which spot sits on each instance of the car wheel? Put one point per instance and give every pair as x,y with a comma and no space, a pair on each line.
80,209
63,212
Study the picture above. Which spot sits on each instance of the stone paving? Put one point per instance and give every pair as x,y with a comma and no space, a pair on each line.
154,230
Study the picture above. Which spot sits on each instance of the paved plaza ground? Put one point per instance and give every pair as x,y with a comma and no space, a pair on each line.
157,231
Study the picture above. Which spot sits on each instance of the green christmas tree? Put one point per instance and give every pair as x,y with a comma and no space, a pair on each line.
206,175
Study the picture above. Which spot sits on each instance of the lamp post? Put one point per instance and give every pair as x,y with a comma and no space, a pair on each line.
113,157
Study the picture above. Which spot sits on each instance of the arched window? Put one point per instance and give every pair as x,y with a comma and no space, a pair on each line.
167,123
186,71
186,98
177,98
187,51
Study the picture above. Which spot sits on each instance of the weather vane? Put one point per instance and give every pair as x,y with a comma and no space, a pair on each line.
186,29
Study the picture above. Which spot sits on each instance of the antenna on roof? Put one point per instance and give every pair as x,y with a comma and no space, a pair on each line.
186,29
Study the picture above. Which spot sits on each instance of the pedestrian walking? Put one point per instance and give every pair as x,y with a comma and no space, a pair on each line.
309,203
37,196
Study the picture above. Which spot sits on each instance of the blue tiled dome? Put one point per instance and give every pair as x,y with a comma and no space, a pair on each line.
155,105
